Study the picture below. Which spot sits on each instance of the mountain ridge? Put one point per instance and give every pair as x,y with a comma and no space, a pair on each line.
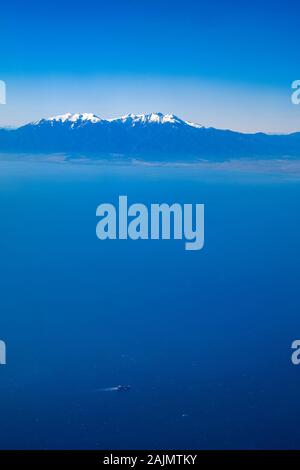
150,136
151,118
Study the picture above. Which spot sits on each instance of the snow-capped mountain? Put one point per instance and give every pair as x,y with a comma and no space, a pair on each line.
76,119
153,118
79,119
153,136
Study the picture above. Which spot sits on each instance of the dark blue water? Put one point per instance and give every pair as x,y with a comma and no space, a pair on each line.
203,338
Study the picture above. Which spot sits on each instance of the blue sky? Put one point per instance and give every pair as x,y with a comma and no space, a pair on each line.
225,64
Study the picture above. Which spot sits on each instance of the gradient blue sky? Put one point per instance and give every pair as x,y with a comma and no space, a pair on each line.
224,64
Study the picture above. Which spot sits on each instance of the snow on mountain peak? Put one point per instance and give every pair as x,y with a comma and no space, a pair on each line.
194,124
157,118
72,118
79,119
84,117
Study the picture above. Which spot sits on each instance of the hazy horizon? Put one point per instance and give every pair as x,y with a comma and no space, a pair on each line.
216,110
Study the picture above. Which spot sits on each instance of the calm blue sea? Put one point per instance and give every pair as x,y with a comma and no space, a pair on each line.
203,338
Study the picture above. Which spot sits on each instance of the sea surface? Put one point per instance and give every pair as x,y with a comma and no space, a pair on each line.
202,337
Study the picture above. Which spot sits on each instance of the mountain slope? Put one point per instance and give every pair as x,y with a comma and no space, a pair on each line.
149,136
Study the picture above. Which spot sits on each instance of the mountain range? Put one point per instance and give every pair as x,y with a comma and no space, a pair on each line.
154,136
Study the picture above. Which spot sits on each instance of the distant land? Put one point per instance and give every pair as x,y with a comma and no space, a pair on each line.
154,136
